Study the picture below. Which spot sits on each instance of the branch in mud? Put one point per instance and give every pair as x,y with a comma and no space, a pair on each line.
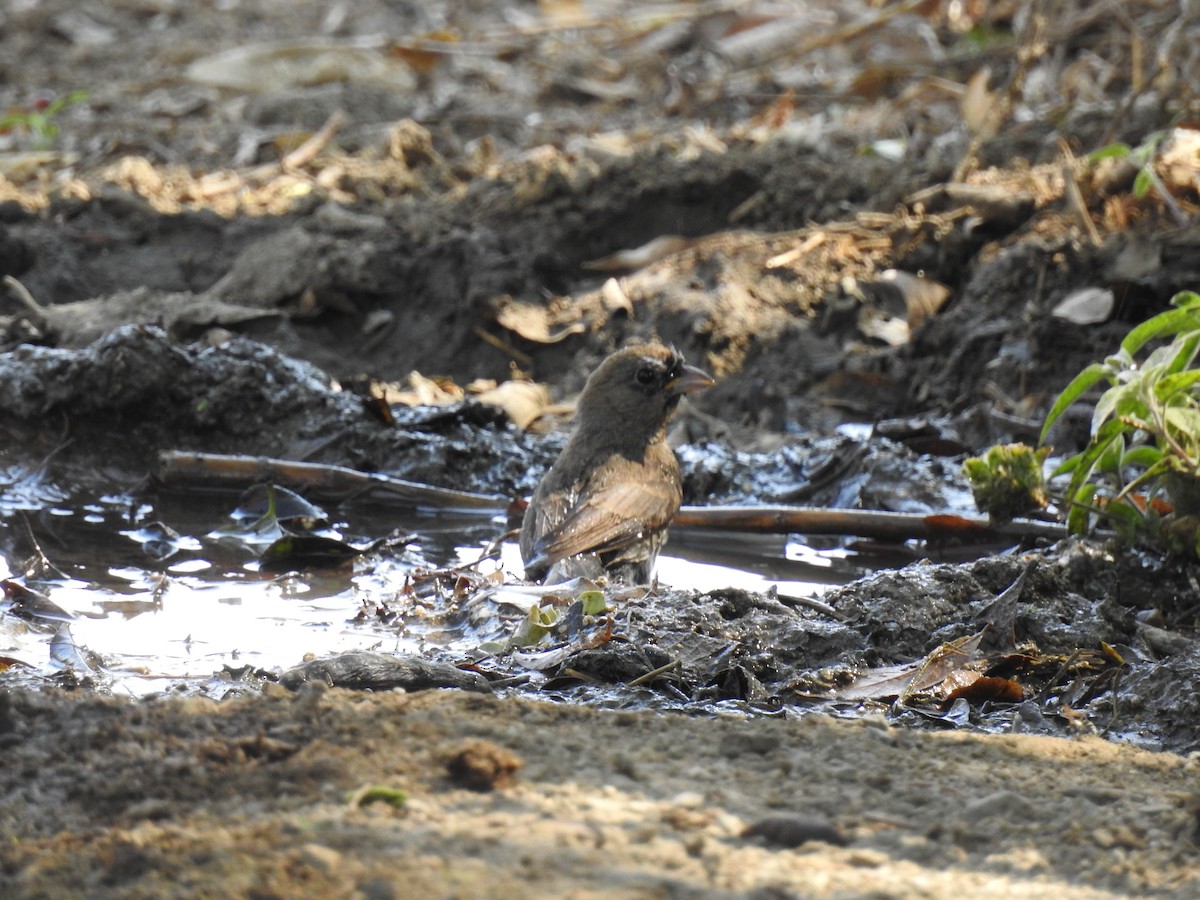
859,523
178,470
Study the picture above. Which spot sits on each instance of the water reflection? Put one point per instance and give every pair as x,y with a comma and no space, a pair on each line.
157,596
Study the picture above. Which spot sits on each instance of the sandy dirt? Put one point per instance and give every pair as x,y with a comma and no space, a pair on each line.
265,797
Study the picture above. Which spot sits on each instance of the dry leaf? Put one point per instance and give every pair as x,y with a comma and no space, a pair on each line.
1086,306
981,688
275,66
923,297
622,260
978,102
522,401
535,323
1179,160
422,53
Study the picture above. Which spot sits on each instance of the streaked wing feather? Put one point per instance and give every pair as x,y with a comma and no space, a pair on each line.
610,519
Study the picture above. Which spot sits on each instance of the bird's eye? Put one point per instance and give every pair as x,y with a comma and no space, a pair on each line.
644,375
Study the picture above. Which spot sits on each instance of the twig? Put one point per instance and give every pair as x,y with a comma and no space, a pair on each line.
812,242
858,523
306,152
654,673
811,603
1074,195
177,468
524,360
21,293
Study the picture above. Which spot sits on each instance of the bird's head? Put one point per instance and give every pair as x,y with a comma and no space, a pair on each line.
636,389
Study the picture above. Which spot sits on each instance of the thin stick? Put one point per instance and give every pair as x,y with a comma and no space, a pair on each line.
654,673
177,469
306,152
857,522
21,293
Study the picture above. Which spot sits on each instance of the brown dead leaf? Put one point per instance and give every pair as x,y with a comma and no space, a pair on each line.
941,662
978,102
980,688
422,53
522,401
640,257
304,62
778,113
564,13
923,297
419,390
535,323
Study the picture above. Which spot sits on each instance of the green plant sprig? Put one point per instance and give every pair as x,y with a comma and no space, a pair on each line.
1146,424
39,120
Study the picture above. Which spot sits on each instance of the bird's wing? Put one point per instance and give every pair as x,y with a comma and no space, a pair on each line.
608,518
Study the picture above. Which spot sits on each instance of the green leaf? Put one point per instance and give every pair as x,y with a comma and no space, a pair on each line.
1122,400
1072,392
377,793
1110,460
1171,322
593,602
1155,470
1070,464
1101,441
1077,518
540,621
1125,518
1184,420
1185,354
1172,357
1186,300
1143,456
1112,151
1142,183
1166,388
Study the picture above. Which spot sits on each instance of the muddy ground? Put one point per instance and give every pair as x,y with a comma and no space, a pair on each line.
860,215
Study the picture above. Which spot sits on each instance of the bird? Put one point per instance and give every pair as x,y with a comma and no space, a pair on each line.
603,507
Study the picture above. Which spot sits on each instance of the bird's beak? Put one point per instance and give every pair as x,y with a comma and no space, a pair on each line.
692,379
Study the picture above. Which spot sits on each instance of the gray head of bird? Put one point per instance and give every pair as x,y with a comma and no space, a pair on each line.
632,394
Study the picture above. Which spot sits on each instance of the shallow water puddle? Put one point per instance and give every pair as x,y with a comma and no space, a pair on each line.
144,598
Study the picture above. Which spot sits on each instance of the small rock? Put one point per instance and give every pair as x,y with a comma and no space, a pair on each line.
1007,805
322,858
793,829
483,766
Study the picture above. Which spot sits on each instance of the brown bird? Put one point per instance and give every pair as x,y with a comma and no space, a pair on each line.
605,504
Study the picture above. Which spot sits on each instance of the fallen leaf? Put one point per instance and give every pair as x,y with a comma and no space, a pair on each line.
640,257
982,687
279,65
1086,306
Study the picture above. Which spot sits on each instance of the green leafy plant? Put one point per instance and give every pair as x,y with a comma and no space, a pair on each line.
1145,430
1007,481
1142,157
38,120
